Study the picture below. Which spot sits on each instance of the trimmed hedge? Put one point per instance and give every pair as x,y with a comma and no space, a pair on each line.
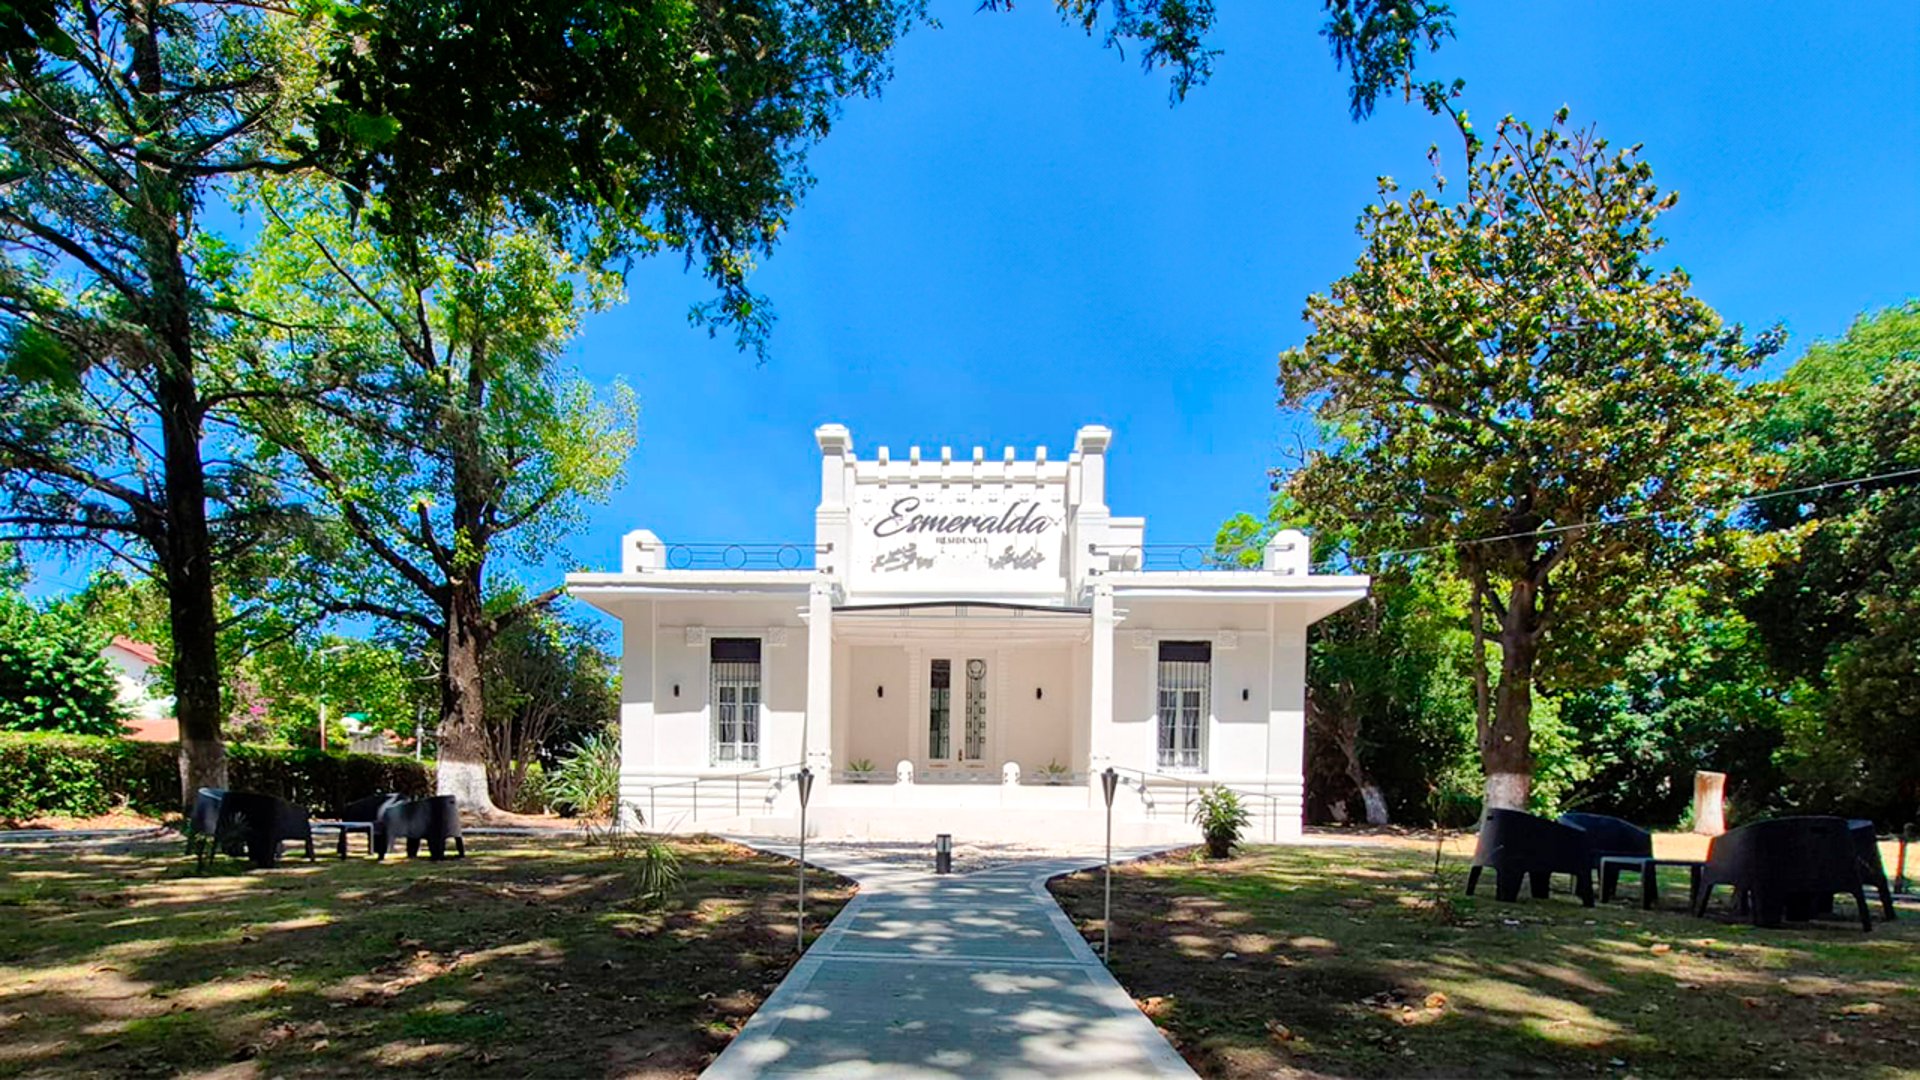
43,775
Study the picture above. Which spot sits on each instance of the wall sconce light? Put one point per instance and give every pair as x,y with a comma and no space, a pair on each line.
1038,693
1245,694
880,691
676,689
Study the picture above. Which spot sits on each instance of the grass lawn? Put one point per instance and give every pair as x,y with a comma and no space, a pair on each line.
529,957
1330,960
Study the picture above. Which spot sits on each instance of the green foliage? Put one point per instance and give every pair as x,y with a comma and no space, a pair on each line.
1838,611
1222,819
654,126
81,776
587,781
52,676
550,682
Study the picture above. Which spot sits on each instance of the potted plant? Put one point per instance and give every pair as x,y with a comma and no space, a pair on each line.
1055,772
1222,818
860,770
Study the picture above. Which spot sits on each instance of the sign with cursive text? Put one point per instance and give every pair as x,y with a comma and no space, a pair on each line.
902,536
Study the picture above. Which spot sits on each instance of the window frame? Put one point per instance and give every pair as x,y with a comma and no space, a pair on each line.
1181,726
745,712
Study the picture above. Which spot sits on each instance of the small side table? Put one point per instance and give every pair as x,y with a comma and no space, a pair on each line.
343,828
1611,867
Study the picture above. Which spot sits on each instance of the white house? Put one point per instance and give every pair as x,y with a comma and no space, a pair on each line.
967,644
149,712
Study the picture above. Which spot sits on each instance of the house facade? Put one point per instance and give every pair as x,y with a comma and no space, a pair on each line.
965,647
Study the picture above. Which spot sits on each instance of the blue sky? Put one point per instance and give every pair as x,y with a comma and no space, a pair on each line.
1021,236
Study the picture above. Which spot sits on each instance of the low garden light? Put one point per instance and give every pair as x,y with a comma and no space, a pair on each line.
943,853
1109,783
804,780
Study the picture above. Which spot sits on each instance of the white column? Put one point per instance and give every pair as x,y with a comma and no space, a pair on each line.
816,734
1100,736
1287,720
636,700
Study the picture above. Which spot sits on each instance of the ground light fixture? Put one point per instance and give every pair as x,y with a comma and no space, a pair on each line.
805,781
943,853
1109,781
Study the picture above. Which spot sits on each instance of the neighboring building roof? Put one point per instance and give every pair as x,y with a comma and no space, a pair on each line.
138,649
153,729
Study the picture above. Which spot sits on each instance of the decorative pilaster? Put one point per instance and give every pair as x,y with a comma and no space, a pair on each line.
816,733
1287,723
1100,734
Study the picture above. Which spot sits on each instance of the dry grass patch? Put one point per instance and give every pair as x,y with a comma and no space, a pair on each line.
1305,961
531,957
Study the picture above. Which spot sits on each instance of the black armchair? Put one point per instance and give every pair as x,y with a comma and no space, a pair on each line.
1519,845
1611,838
1866,847
360,816
250,824
435,819
1786,867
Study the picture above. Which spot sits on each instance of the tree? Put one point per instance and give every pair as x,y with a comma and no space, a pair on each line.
1509,376
116,120
448,443
1837,611
52,674
550,683
1378,40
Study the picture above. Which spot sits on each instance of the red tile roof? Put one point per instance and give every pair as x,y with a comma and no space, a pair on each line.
139,649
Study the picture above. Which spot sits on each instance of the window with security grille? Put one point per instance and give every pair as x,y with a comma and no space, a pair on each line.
939,709
736,700
1185,686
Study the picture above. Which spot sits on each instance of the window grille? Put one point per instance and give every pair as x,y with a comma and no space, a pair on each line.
735,664
1185,684
939,708
976,710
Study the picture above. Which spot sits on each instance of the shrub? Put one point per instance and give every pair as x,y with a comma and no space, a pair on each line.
1222,818
52,676
44,775
587,782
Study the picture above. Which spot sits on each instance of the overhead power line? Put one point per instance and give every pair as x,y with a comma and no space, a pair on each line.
1624,519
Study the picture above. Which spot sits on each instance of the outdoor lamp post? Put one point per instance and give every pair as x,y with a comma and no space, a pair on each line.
323,654
805,780
943,853
1109,781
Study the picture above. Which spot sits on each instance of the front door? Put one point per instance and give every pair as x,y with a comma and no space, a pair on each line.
957,711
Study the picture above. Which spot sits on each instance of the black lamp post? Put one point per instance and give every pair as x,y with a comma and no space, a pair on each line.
1109,781
805,780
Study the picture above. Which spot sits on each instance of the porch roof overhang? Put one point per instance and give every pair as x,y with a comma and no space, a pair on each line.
960,620
1319,595
612,592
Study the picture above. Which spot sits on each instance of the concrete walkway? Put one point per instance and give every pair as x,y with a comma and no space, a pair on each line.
974,975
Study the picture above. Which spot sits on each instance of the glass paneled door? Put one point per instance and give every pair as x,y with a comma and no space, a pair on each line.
957,711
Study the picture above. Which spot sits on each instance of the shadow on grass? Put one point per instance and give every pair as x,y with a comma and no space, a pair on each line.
530,957
1332,960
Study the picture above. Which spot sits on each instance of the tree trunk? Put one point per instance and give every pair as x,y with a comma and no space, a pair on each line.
1506,742
185,543
463,737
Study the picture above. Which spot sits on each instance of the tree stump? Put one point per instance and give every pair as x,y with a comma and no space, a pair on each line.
1709,803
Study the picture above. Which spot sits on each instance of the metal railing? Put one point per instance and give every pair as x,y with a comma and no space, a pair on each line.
1190,789
693,784
1192,557
725,556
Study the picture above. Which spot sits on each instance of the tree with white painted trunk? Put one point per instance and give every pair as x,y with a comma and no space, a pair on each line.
1509,375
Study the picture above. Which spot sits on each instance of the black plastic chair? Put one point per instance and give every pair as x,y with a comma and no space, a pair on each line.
1785,868
250,824
1520,845
435,819
1611,838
